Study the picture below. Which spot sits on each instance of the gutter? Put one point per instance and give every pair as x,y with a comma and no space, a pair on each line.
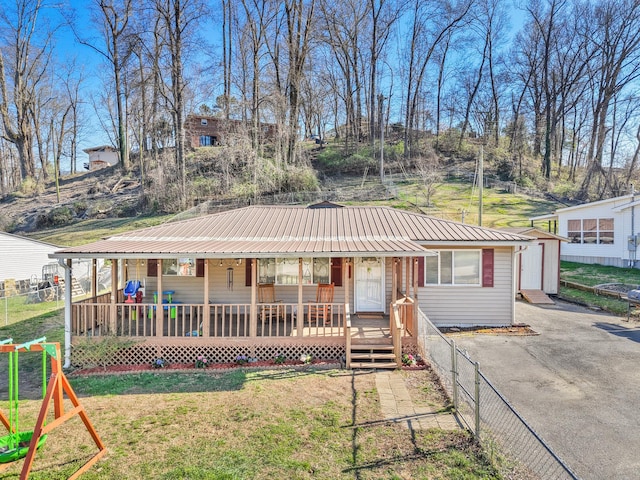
67,312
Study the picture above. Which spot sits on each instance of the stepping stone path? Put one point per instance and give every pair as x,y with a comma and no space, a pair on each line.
397,406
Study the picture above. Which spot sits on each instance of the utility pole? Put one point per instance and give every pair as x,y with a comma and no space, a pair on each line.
480,183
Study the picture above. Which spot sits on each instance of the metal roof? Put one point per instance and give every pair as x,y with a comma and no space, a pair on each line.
263,231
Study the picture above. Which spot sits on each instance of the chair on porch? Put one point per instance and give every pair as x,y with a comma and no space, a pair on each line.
320,311
269,307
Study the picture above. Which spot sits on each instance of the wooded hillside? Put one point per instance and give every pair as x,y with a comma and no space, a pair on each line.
547,91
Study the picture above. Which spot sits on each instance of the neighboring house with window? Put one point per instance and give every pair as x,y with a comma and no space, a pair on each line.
101,157
605,232
210,131
202,277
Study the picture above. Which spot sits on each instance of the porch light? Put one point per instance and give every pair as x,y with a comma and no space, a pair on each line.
238,261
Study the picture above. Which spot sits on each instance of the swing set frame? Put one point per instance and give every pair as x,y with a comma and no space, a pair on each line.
57,386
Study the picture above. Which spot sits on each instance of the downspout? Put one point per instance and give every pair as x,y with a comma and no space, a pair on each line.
68,292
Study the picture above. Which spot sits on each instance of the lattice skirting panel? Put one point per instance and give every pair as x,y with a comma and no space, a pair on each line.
410,346
86,354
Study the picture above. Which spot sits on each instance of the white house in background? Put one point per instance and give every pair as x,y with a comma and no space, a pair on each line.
538,266
101,157
606,232
23,257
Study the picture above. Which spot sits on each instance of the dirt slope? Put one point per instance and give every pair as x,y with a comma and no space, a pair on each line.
99,194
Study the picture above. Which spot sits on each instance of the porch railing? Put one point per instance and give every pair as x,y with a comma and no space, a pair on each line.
98,317
406,307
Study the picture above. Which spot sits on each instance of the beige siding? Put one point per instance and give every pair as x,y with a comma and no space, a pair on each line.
466,306
190,289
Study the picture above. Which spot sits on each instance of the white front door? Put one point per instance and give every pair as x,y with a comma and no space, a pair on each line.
369,290
531,268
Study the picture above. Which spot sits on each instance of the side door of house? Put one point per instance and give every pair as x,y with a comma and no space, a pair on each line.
369,284
531,264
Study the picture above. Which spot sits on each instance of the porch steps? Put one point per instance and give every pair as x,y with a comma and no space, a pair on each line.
367,354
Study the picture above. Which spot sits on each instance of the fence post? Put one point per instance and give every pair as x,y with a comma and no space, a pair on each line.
477,399
454,374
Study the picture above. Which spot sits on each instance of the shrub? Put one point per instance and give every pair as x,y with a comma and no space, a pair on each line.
56,217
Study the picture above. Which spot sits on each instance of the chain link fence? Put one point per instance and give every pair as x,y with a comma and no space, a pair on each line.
15,307
513,446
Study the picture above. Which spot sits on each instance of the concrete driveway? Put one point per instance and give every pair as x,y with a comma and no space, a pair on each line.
577,384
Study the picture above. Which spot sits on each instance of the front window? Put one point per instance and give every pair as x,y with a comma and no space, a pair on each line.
284,271
179,267
453,267
591,231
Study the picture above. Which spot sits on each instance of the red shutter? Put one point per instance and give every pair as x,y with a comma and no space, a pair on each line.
247,272
152,267
336,271
487,267
200,267
421,271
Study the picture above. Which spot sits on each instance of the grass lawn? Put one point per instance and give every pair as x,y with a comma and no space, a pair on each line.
592,275
239,424
92,230
500,208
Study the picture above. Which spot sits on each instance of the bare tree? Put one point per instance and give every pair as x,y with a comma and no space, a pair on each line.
23,70
176,27
424,37
114,20
617,43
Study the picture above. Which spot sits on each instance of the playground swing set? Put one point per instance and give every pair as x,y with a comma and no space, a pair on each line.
20,444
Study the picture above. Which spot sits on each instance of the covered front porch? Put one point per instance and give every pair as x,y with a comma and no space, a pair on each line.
164,320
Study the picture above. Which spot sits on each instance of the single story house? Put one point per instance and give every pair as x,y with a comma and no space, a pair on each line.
270,280
22,257
538,266
101,157
605,232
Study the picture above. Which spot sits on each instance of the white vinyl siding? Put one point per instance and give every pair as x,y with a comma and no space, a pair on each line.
23,257
598,252
462,305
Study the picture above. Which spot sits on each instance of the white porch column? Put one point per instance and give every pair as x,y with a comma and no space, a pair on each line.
68,314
